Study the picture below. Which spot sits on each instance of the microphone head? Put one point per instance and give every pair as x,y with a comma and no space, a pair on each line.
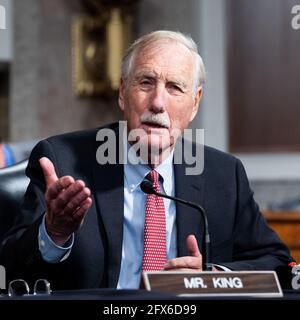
147,187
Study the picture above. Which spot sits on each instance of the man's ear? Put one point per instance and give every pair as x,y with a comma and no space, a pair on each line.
121,94
197,100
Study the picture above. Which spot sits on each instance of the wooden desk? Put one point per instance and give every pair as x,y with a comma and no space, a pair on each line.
287,226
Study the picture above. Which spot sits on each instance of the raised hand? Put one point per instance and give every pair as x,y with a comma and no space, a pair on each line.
67,202
192,262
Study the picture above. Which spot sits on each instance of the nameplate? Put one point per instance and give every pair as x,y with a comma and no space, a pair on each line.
209,284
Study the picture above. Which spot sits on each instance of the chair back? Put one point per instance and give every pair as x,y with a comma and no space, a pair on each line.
13,184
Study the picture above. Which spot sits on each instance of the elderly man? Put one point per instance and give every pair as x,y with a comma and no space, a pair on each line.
86,225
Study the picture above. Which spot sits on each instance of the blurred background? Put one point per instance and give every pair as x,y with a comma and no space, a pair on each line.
59,64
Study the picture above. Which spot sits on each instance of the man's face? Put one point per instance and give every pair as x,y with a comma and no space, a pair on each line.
159,96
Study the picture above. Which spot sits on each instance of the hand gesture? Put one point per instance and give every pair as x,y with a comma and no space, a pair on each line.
190,263
67,201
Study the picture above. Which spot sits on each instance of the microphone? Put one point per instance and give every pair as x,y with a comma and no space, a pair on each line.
147,187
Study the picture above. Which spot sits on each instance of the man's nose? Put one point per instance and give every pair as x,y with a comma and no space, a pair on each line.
158,101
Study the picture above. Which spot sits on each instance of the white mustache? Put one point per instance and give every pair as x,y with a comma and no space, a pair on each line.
155,118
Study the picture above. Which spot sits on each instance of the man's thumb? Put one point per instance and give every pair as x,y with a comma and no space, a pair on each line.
192,246
48,170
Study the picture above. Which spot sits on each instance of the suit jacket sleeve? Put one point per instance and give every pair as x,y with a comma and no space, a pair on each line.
255,245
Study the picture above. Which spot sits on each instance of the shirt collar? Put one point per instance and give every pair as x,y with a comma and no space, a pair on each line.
136,173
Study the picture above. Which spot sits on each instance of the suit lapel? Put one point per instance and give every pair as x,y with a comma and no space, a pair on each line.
109,195
188,220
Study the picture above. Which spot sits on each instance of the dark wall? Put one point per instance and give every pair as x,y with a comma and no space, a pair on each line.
263,76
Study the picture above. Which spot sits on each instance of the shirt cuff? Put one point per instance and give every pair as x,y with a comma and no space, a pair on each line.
50,251
221,268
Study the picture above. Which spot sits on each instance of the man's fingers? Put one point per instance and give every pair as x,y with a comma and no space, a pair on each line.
187,270
192,246
184,263
48,170
66,196
81,211
77,201
54,190
192,261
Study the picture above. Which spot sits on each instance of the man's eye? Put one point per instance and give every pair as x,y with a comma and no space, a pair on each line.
175,87
145,82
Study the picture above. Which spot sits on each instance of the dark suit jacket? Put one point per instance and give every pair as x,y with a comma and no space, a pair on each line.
241,239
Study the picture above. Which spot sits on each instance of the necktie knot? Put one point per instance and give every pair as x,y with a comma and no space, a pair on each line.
153,176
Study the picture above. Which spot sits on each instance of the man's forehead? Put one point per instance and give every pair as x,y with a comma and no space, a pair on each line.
158,46
163,56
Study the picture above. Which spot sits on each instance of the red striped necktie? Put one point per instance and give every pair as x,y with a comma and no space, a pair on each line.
155,255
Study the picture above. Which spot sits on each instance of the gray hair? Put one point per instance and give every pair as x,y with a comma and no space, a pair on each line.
144,41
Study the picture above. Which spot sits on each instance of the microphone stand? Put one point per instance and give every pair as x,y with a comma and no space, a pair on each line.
148,188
